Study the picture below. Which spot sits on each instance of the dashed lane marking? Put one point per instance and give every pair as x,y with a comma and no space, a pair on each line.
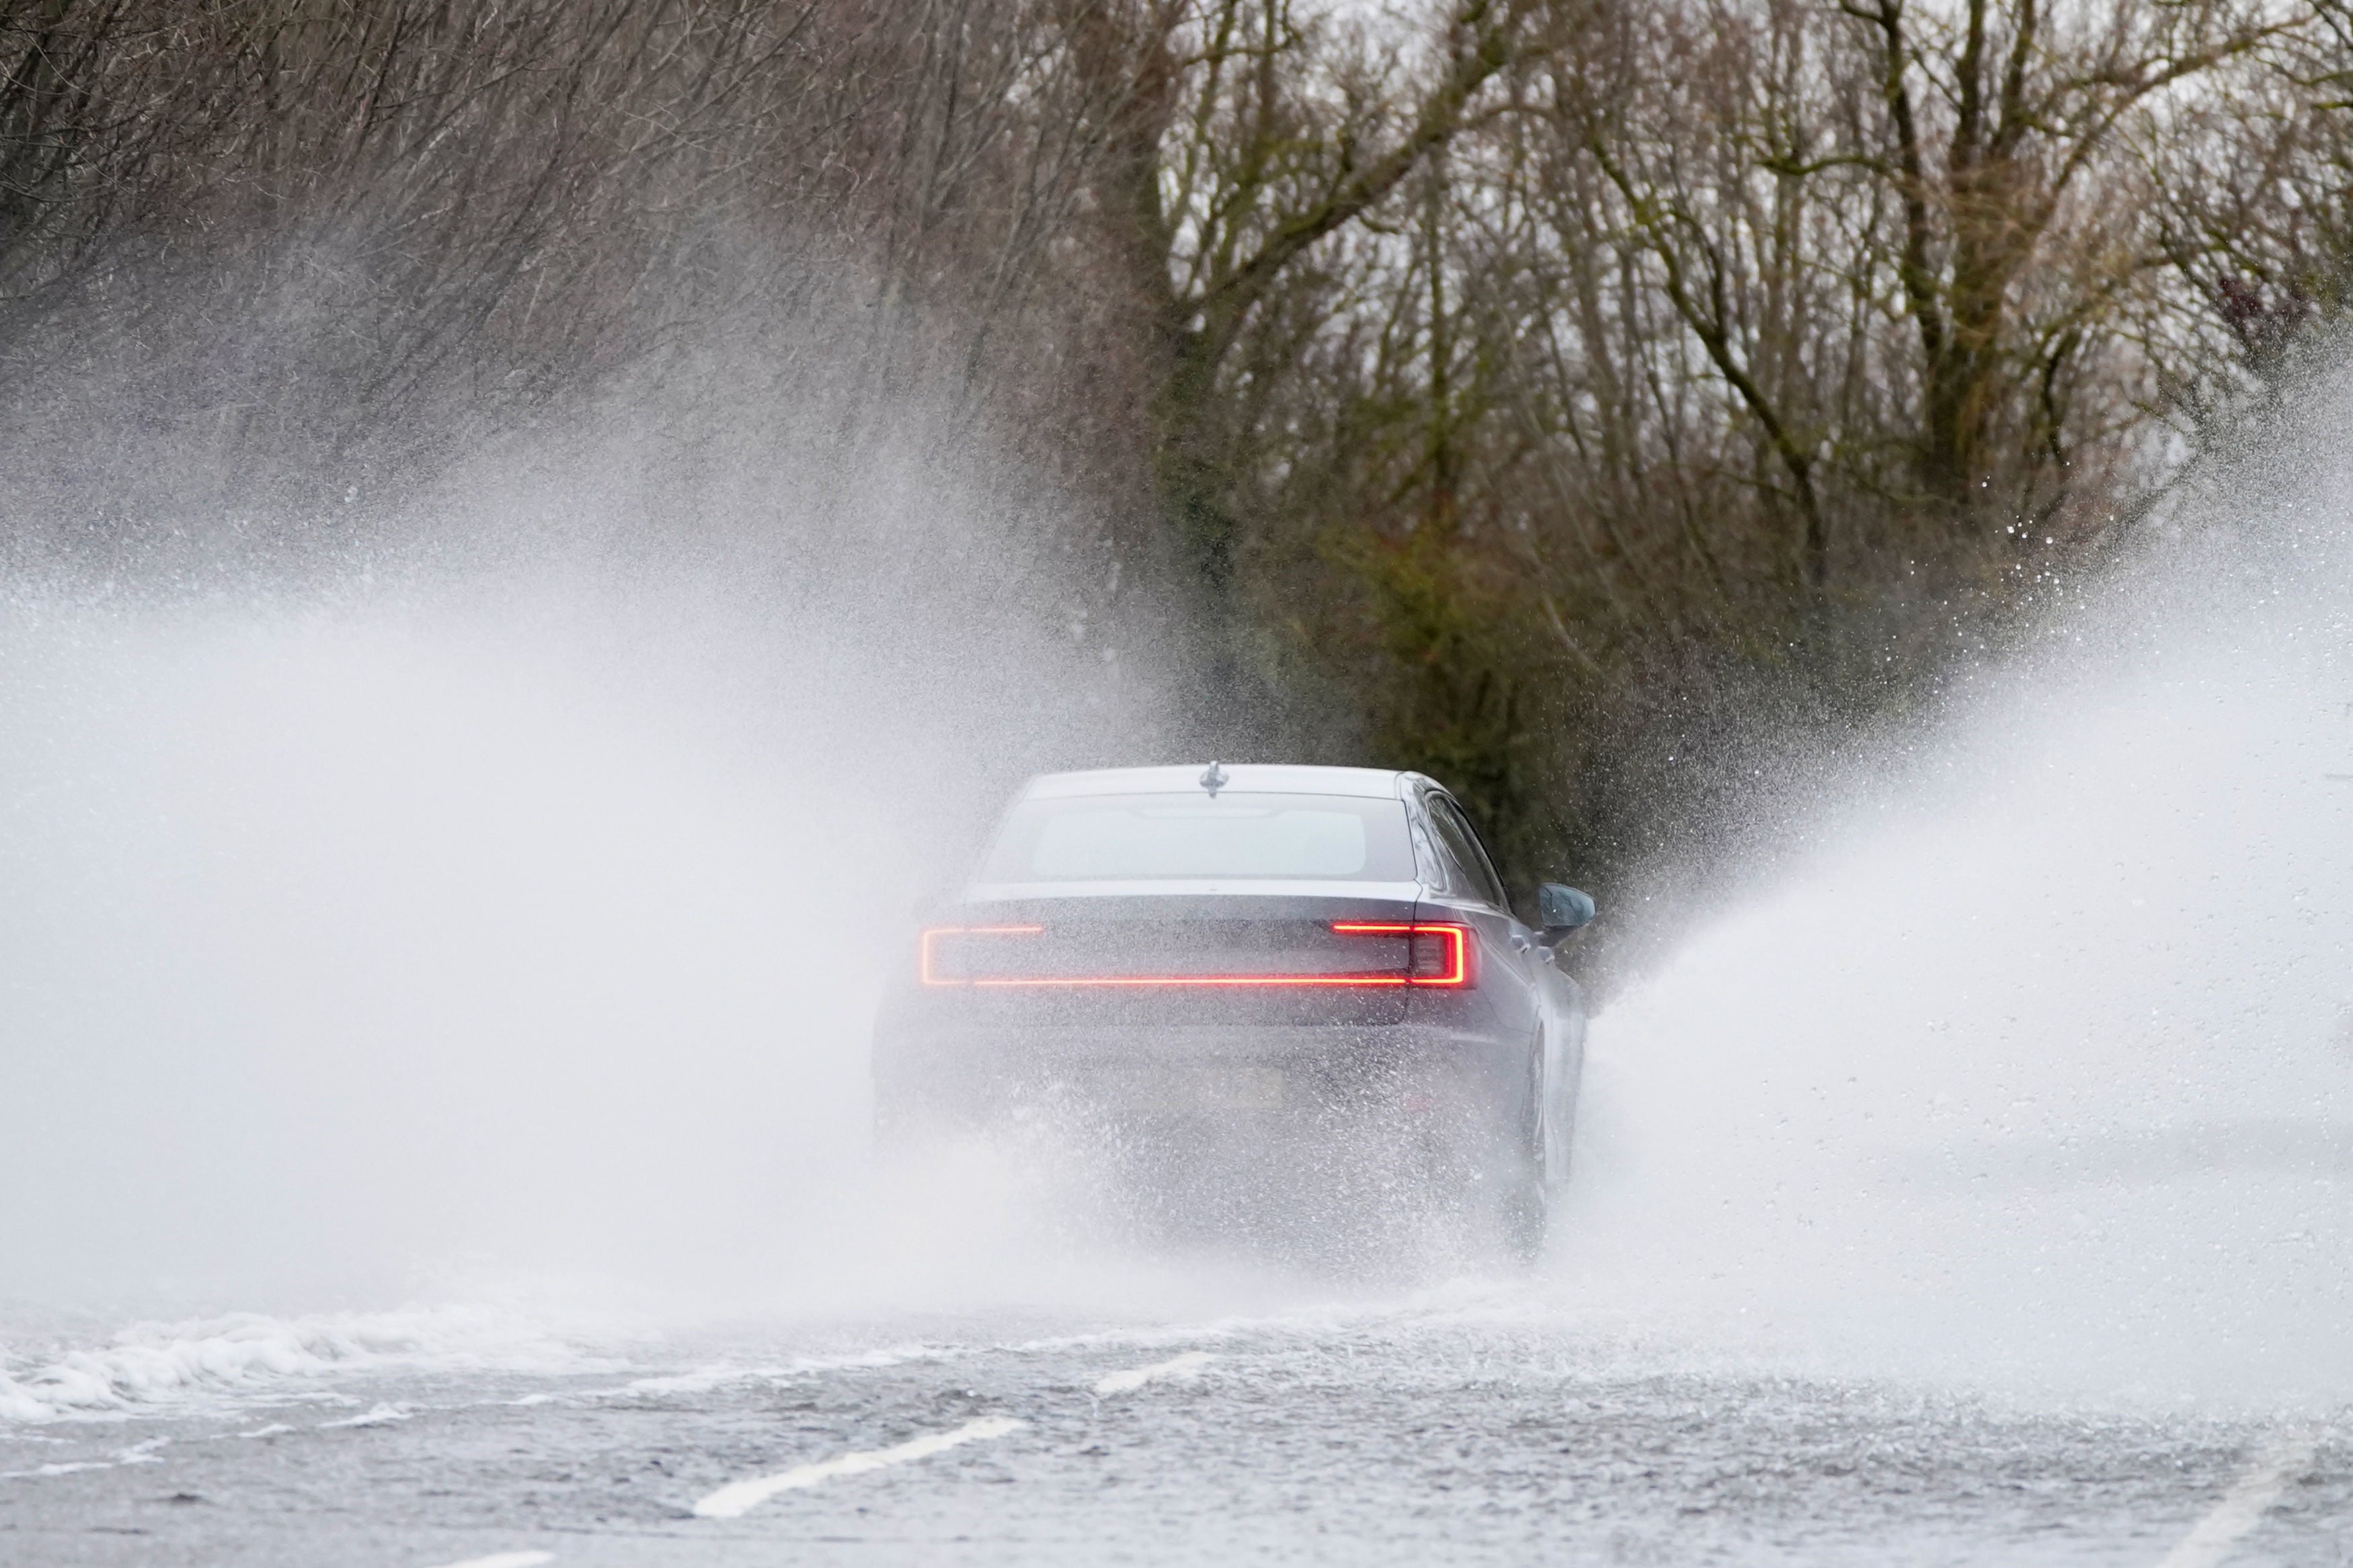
737,1497
1176,1368
2282,1460
505,1560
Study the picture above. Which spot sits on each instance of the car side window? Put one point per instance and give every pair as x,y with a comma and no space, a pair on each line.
1463,848
1429,860
1484,863
1454,876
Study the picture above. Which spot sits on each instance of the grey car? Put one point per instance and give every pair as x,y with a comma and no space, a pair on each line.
1271,959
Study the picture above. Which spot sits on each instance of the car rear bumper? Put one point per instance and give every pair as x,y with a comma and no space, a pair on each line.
977,1074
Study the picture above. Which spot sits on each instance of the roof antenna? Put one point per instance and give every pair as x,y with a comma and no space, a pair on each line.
1213,780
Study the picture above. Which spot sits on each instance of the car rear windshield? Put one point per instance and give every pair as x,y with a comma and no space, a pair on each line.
1151,837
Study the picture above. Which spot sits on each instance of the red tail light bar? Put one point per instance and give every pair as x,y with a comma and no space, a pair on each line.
1437,954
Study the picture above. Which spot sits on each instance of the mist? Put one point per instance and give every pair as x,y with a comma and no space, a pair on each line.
492,900
2033,1073
481,894
506,925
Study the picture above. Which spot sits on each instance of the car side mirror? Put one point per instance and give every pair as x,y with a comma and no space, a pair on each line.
1562,910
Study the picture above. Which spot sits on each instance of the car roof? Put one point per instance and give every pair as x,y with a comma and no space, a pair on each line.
1241,778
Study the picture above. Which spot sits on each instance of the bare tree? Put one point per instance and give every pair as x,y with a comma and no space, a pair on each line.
1524,389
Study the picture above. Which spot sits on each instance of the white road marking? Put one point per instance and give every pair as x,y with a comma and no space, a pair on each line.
737,1497
505,1560
2282,1460
1182,1368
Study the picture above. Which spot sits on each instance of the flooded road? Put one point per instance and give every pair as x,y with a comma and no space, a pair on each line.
1478,1429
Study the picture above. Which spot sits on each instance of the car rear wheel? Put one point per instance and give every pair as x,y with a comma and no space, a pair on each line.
1486,1178
1524,1196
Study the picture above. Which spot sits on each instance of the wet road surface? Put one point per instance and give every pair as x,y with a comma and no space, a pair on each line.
1397,1436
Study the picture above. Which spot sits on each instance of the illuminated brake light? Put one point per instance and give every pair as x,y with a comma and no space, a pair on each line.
1435,955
